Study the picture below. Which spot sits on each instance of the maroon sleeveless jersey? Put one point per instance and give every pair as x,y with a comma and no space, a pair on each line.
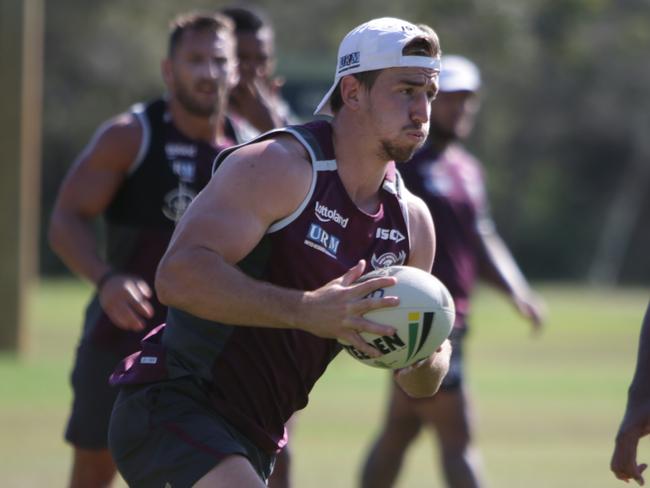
169,170
452,185
258,377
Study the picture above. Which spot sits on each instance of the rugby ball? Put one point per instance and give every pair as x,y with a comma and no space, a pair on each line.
423,319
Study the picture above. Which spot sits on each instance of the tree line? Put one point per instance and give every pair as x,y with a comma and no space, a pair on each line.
562,131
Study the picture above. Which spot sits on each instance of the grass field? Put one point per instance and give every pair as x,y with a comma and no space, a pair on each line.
548,406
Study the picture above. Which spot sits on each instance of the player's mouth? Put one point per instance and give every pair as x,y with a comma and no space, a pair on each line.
416,135
206,89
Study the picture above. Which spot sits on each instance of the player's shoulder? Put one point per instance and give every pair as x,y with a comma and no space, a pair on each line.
421,232
121,131
273,175
417,208
278,156
116,143
278,148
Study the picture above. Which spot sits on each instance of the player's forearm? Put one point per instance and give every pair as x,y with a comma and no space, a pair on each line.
500,267
639,391
73,240
425,380
223,293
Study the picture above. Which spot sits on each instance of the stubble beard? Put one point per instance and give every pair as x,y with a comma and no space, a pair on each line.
193,106
398,153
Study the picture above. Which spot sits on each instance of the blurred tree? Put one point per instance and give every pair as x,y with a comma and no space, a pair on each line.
565,101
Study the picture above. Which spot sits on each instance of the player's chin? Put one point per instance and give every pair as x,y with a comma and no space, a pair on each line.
403,149
207,100
206,108
405,153
411,146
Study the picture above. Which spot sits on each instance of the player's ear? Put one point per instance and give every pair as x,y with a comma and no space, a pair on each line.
166,71
350,92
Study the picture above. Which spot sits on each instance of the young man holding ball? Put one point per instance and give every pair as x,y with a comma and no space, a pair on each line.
261,287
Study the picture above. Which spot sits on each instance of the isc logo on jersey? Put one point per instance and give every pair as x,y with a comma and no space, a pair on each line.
389,235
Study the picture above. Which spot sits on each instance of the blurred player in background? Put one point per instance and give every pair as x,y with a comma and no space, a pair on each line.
260,283
256,104
140,172
636,421
451,183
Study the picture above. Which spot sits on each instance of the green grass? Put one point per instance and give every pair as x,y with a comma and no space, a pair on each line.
547,406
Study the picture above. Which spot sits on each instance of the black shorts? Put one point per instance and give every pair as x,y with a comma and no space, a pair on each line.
167,433
454,378
93,397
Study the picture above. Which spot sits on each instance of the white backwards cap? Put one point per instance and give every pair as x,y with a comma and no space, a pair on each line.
377,44
458,74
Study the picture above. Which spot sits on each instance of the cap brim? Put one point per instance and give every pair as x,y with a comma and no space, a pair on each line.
324,107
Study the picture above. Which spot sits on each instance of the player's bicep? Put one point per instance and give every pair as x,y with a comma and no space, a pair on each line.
100,169
252,189
217,220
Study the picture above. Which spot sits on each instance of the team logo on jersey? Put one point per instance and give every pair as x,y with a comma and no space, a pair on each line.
387,259
389,235
175,150
324,214
184,169
325,242
177,201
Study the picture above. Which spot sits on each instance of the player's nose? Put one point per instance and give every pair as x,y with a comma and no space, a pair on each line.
420,108
211,70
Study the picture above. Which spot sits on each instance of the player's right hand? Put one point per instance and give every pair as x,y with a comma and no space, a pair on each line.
336,309
125,299
635,425
624,465
257,104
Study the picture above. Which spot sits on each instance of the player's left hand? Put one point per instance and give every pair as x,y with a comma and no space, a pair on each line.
533,308
426,375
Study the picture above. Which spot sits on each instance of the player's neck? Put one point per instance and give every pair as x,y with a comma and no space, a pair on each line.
360,166
206,129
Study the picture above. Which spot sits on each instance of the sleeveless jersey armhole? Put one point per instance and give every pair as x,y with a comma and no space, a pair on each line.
316,166
400,190
139,111
227,151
